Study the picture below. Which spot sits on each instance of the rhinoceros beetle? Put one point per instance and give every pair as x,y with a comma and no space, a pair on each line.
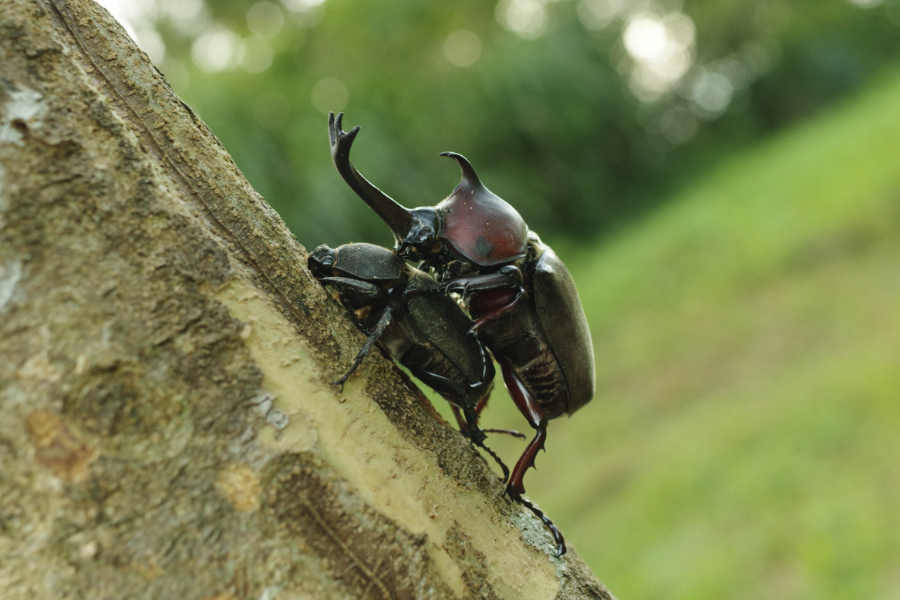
395,305
522,298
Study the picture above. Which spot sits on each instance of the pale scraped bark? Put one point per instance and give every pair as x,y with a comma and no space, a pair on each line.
167,429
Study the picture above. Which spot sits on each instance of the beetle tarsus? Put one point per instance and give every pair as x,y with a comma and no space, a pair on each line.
496,458
466,430
554,531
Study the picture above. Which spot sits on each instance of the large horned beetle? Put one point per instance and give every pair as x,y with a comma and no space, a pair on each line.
522,301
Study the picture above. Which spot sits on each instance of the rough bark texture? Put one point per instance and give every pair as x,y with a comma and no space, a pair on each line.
167,429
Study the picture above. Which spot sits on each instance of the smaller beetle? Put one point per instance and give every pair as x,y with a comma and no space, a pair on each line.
399,307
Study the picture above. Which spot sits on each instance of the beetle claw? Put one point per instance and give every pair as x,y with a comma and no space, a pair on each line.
554,531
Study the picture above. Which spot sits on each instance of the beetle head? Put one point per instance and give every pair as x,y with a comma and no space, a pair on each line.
479,226
321,260
420,239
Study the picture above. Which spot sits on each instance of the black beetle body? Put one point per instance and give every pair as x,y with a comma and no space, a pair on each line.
522,298
402,309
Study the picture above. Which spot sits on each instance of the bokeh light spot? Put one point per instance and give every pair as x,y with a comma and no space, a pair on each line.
526,18
152,43
646,38
177,74
301,5
599,14
258,55
462,48
188,17
661,49
678,126
137,17
265,19
215,50
712,92
329,95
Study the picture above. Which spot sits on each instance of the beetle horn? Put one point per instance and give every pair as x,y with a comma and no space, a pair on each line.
397,217
469,176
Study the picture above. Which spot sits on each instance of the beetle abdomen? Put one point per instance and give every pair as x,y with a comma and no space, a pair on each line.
536,367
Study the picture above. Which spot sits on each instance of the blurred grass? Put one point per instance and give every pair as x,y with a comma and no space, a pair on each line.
745,437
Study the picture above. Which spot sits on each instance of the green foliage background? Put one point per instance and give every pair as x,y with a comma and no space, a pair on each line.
741,284
548,122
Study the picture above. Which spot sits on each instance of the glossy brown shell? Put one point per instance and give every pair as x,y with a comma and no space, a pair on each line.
478,225
561,317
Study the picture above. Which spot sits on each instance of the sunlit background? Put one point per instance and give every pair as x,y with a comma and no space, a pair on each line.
723,179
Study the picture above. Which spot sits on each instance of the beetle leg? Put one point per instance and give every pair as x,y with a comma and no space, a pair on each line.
486,362
512,432
496,314
536,417
383,322
442,385
509,276
451,389
463,426
362,287
350,290
448,388
466,430
477,434
557,535
481,406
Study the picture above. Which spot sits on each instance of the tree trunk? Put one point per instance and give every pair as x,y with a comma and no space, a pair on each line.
167,427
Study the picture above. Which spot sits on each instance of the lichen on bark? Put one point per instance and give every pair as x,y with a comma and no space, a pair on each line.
168,428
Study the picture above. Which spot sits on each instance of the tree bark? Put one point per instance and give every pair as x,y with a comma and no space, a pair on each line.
167,427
